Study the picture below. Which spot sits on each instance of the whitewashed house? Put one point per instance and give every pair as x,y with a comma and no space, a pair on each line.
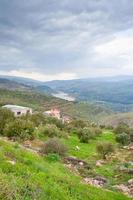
18,110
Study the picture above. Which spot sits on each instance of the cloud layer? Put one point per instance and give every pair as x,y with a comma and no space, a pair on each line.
64,39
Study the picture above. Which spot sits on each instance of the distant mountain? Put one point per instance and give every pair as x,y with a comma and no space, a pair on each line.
26,81
12,82
116,92
12,85
113,92
45,89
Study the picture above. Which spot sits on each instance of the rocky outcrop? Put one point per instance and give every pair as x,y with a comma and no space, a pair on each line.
126,170
127,189
76,162
97,181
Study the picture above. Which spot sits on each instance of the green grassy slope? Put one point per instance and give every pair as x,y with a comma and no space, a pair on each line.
88,151
110,169
34,177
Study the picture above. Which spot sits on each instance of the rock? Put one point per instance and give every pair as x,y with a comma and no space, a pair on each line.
130,181
130,163
127,189
12,162
81,163
126,170
77,148
98,182
102,179
130,148
75,161
99,163
125,147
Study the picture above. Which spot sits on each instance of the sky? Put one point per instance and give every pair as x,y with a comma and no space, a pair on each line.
66,39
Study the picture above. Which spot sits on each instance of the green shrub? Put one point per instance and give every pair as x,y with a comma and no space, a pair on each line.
5,117
55,146
51,130
122,128
86,134
38,119
104,149
123,138
98,131
78,124
19,129
55,121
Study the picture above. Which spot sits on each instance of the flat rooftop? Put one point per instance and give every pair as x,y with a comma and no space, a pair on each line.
15,107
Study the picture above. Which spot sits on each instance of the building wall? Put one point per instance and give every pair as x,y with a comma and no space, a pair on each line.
20,112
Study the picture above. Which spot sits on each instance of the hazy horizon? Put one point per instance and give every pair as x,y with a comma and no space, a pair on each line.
67,39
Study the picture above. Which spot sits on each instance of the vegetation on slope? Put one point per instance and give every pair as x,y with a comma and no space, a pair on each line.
35,177
42,102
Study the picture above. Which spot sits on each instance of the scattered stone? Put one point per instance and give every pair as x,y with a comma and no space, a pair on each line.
130,163
99,163
127,189
130,181
12,162
76,162
130,147
98,181
126,170
77,148
27,144
81,163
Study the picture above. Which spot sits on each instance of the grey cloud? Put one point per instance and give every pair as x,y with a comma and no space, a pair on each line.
54,36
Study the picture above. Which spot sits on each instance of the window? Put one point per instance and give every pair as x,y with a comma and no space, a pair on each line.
19,113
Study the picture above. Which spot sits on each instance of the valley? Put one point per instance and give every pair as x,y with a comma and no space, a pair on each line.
38,150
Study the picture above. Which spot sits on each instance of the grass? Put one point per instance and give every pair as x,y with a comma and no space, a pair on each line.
34,177
87,151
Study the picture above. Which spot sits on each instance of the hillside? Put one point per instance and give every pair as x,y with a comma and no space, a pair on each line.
113,92
42,102
115,119
35,177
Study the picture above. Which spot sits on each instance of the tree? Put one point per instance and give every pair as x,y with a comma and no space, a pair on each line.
104,149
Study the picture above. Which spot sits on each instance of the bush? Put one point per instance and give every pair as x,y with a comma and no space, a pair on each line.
54,146
38,119
97,131
51,130
19,129
122,128
5,117
78,124
57,122
86,134
104,149
123,139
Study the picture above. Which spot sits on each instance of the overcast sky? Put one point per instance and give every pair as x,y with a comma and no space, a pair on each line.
66,39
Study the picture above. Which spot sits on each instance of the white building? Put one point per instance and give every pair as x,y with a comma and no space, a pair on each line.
18,110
